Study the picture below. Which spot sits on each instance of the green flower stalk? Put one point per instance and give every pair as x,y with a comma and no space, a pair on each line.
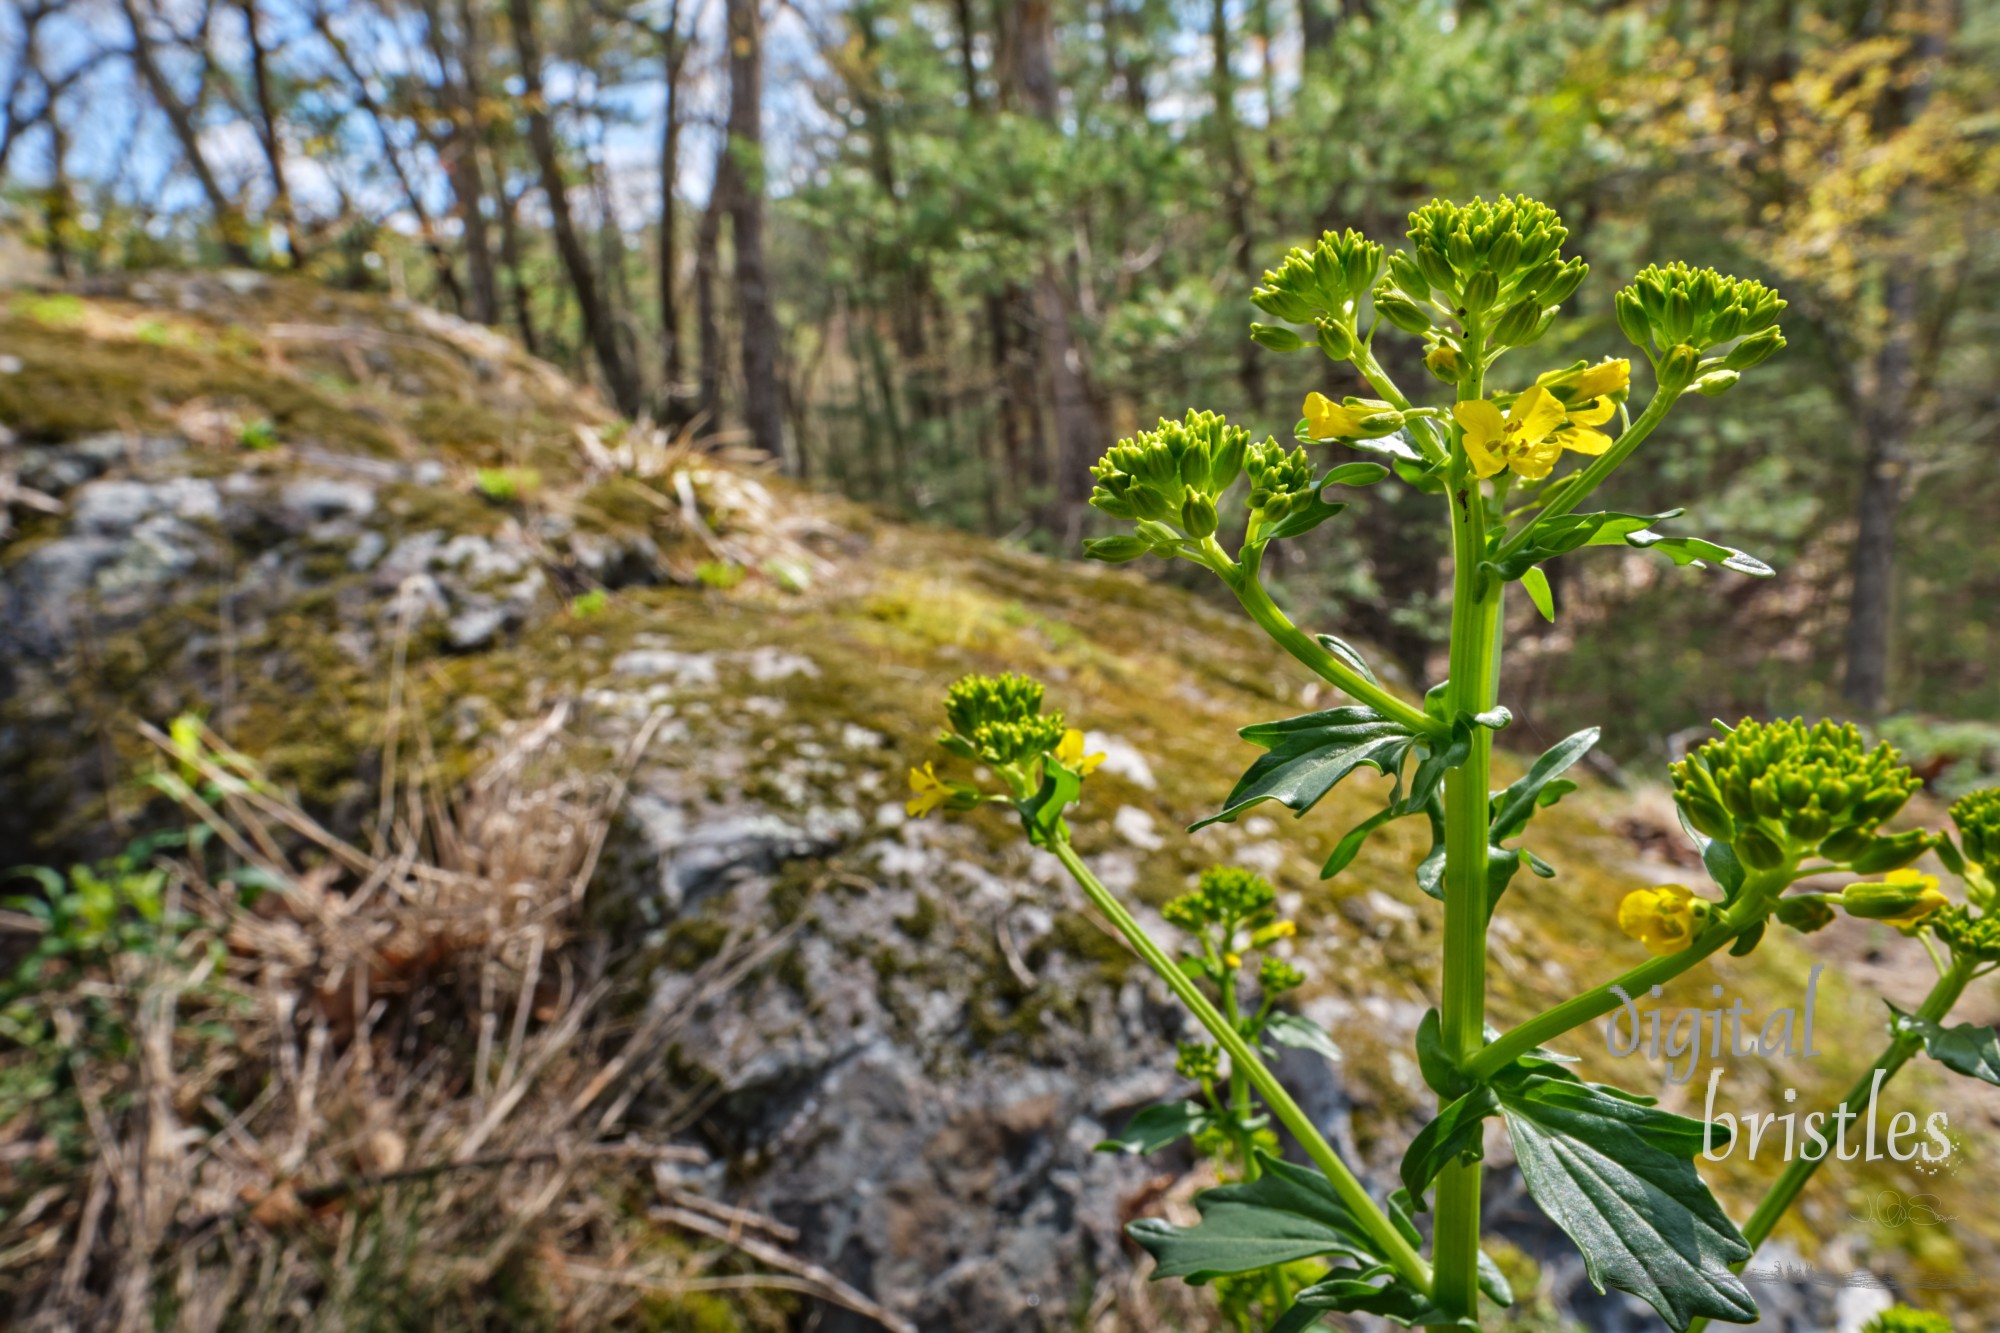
1513,457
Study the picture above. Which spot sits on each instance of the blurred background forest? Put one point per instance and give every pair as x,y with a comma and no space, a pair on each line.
938,255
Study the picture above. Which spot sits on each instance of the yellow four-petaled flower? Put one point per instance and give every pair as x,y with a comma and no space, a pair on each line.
1069,753
1664,918
928,792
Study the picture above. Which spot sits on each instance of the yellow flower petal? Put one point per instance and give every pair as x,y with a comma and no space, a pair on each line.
1328,420
1580,441
1069,753
1595,414
929,792
1662,918
1534,414
1483,426
1604,377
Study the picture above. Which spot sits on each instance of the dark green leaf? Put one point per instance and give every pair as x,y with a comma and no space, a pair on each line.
1494,1282
1454,1135
1748,941
1157,1126
1719,859
1514,806
1298,522
1300,1032
1353,474
1350,843
1347,653
1378,1290
1619,1179
1042,812
1966,1048
1298,1319
1440,1072
1286,1214
1563,533
1696,550
1309,754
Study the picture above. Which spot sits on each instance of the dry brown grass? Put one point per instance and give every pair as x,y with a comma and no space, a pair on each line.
369,1087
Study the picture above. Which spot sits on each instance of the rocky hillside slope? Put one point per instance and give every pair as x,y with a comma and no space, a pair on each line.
307,514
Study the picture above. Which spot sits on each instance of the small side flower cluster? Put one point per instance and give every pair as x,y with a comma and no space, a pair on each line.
1777,792
1472,260
1978,820
1168,480
998,721
1320,289
1232,919
1674,314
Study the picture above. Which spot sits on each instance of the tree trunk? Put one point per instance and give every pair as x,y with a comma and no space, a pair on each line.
461,155
763,385
267,135
441,263
598,325
1236,191
1884,465
674,57
1065,377
511,257
228,220
708,322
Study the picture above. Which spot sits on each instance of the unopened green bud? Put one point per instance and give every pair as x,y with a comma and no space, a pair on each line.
1632,321
1716,383
1709,817
1505,254
1404,272
1758,849
1843,845
1276,338
1114,550
1404,313
1482,289
1436,269
1286,305
1198,516
1335,340
1444,362
1891,853
1677,368
1904,899
1754,350
1804,915
1517,324
1564,284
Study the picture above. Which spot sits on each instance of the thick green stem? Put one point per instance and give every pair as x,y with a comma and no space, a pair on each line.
1791,1182
1393,1246
1474,683
1752,904
1243,581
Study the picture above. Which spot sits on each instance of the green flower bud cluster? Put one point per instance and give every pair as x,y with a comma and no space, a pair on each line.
1782,790
1226,896
1276,976
1198,1060
999,720
1675,314
1281,479
1319,288
1481,258
1969,936
1978,820
1166,479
